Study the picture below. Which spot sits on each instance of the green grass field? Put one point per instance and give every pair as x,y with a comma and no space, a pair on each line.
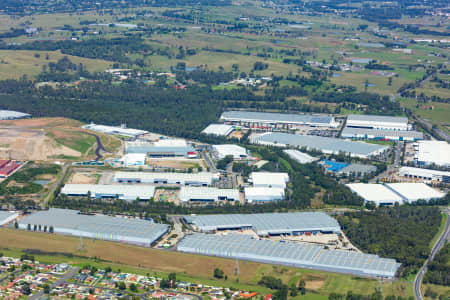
436,112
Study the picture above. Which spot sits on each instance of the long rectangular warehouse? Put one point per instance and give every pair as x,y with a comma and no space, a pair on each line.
119,130
267,223
377,122
269,179
433,152
72,222
381,134
101,191
11,115
263,194
166,148
425,174
293,120
301,255
207,194
325,144
193,179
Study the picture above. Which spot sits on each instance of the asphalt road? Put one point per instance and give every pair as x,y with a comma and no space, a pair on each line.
62,280
439,244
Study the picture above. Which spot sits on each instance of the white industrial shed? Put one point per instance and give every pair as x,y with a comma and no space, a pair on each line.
269,179
264,119
383,134
411,192
118,229
11,115
133,159
263,194
300,157
377,193
218,129
426,175
377,122
433,152
101,191
207,194
7,216
267,223
238,152
193,179
119,130
300,255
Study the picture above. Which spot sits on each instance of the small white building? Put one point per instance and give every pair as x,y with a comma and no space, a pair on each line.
300,157
218,129
238,152
263,194
269,179
133,159
207,194
425,175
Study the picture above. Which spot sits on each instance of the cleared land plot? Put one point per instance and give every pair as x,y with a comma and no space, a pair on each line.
200,267
48,138
436,112
16,63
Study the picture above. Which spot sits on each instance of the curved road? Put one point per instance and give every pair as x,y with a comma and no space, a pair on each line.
439,244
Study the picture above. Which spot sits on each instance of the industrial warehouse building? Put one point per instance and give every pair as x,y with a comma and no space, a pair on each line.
119,229
207,194
218,129
426,175
165,148
192,179
221,151
300,157
263,120
381,134
133,159
105,191
263,194
301,255
11,115
392,193
432,152
7,216
267,223
119,130
377,122
269,179
325,144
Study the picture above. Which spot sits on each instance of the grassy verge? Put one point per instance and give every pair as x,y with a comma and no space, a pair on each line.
441,229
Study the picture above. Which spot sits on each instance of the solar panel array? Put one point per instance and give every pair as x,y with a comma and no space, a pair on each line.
268,223
97,226
301,255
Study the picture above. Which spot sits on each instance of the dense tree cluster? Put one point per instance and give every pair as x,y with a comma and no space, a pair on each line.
438,271
402,232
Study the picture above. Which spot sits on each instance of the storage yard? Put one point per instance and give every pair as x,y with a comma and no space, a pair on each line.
102,227
290,254
325,144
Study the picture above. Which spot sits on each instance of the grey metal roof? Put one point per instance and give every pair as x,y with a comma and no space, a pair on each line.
151,149
358,168
381,133
73,222
268,223
374,118
275,117
301,255
4,215
10,114
325,144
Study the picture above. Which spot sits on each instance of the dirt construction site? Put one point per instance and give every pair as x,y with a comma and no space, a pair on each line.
43,139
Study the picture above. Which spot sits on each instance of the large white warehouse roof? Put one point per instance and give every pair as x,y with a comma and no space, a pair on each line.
269,179
124,192
368,133
300,157
207,194
263,194
202,178
120,130
278,118
7,216
72,222
10,115
236,151
268,223
300,255
379,122
218,129
415,191
433,152
425,174
325,144
377,193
